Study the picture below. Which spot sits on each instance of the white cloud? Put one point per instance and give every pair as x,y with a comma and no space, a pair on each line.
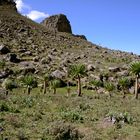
27,11
35,15
20,5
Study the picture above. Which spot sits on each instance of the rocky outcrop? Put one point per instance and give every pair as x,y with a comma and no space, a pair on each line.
57,23
8,4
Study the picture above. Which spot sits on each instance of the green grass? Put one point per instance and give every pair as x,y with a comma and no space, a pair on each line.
32,116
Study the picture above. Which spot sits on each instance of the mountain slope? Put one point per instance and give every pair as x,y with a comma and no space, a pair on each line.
46,50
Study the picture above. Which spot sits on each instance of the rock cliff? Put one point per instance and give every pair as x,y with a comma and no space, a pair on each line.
58,23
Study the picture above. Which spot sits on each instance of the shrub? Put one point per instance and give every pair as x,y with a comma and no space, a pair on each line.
21,135
4,107
121,117
30,82
2,63
124,83
72,116
109,87
97,84
55,84
9,84
62,131
29,102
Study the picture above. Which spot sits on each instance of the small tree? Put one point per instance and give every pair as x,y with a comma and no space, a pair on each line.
47,79
29,81
55,83
68,89
124,84
109,87
135,69
76,72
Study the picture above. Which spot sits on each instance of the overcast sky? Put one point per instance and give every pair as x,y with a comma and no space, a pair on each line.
114,24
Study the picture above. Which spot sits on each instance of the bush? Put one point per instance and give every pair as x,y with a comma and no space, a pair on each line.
109,87
9,84
2,63
4,107
97,83
29,102
124,83
72,116
21,136
62,131
120,117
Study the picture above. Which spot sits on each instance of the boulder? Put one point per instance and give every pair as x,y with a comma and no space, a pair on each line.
90,67
13,58
101,91
132,90
57,23
26,70
88,87
36,59
45,60
114,69
65,62
123,73
4,49
28,53
112,79
58,74
5,73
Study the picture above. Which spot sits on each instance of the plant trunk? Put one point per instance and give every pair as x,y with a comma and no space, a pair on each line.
136,88
44,89
79,86
124,92
7,92
68,89
54,91
110,95
28,90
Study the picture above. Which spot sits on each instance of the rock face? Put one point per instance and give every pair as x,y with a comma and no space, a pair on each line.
8,4
58,23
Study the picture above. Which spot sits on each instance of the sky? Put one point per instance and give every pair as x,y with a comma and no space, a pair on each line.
114,24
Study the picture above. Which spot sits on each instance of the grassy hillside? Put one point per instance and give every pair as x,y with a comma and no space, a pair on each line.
53,117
